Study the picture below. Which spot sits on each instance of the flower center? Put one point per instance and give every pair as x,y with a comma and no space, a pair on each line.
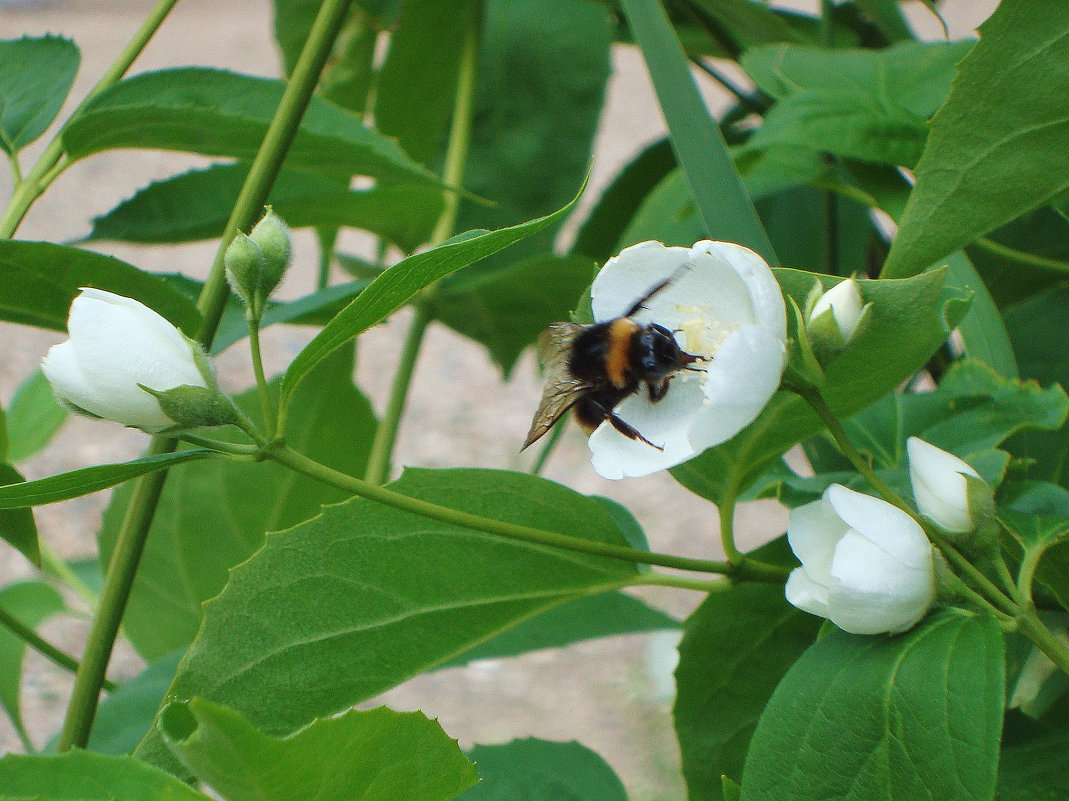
703,333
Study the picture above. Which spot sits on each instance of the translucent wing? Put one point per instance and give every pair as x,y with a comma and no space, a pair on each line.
562,389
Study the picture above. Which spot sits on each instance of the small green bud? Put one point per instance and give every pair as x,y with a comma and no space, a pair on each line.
192,406
273,237
834,318
245,263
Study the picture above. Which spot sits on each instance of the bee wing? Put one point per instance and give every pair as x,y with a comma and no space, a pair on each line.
562,389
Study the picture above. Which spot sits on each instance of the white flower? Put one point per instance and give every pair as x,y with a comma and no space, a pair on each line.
866,565
939,485
727,308
115,344
844,301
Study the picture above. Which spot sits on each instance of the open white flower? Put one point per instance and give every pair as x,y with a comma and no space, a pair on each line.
866,565
726,307
117,343
939,485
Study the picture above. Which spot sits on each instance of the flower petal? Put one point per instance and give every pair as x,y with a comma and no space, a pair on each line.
813,531
939,486
805,593
625,278
766,296
887,527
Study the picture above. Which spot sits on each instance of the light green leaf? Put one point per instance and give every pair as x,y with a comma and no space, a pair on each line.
31,603
870,718
393,288
219,113
529,770
373,755
35,76
38,281
84,776
77,483
212,515
33,417
197,204
722,202
736,647
505,309
994,151
336,610
17,526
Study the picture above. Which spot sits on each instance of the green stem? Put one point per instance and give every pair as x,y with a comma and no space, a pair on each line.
266,406
44,647
146,492
552,439
378,464
1029,624
45,170
456,157
232,448
1021,257
726,510
682,582
294,460
16,169
328,238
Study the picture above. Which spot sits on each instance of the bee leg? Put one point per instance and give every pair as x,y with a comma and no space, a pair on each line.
658,390
620,425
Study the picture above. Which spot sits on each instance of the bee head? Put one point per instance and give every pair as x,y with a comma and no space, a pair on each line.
659,354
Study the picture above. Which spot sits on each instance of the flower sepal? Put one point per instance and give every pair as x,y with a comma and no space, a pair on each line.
194,407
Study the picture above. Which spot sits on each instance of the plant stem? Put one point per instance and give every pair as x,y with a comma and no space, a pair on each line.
44,647
378,464
1020,256
726,511
1029,624
552,439
456,157
266,406
294,460
232,448
44,171
146,493
682,582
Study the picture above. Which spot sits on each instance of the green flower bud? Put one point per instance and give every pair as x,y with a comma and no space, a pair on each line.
834,318
245,264
273,237
192,406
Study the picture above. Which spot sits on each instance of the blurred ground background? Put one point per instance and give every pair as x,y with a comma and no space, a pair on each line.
612,695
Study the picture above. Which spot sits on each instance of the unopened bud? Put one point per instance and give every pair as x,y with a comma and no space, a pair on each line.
245,263
192,406
273,237
834,317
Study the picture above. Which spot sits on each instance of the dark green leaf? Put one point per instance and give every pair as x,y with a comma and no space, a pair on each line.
31,603
750,23
197,204
84,776
219,113
33,417
722,202
736,647
338,609
507,308
868,718
1036,770
909,320
294,18
35,77
888,17
529,770
994,151
396,286
584,618
89,479
17,526
38,281
213,515
373,755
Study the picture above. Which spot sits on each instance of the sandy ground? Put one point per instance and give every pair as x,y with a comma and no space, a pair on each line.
612,695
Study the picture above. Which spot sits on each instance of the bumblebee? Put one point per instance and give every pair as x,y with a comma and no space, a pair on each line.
591,368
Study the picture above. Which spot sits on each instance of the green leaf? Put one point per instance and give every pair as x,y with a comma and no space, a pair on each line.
38,281
212,515
417,83
530,769
722,202
294,18
750,23
909,319
396,286
994,152
336,610
197,204
84,776
542,72
31,603
505,309
35,77
220,113
77,483
913,716
736,647
33,417
373,755
585,618
17,526
1036,770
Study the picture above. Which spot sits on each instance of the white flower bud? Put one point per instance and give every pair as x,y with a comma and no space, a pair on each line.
115,345
939,485
866,565
841,305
